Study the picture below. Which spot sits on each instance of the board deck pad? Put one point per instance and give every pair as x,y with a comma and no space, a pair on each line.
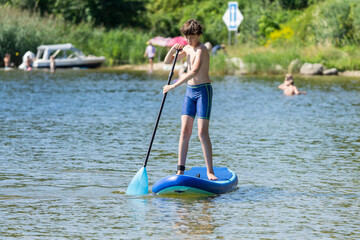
222,173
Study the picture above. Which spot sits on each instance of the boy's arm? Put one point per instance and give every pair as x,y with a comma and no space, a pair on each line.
297,91
170,55
190,74
282,86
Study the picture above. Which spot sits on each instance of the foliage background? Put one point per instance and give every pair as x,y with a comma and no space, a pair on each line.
326,31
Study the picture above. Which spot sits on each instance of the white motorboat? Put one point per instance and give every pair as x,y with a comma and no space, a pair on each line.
65,56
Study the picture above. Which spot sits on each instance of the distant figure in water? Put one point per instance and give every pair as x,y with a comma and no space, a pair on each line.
28,64
289,87
7,60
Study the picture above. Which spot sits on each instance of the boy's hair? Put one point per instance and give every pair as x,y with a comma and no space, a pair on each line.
191,27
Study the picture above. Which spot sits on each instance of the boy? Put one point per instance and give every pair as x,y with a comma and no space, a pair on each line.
289,87
198,95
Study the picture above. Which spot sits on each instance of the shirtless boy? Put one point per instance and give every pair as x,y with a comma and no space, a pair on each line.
289,87
198,95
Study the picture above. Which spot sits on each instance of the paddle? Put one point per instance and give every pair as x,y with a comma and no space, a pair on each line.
139,184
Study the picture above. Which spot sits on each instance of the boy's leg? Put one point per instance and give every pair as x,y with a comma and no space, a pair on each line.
203,131
186,129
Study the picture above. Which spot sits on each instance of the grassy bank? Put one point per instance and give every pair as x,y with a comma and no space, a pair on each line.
274,60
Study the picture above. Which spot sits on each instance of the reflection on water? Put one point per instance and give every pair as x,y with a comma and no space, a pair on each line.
70,143
189,216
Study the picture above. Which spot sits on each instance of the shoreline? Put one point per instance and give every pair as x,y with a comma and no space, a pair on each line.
165,68
162,68
157,67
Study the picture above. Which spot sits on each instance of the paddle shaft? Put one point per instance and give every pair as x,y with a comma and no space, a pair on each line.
161,108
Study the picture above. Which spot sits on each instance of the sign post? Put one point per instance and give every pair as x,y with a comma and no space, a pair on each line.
232,19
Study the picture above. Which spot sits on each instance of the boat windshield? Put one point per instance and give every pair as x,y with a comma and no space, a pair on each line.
66,54
40,54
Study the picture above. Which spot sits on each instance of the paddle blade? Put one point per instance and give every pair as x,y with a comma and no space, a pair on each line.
139,184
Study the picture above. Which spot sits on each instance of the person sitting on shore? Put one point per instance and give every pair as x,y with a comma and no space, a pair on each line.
289,87
217,48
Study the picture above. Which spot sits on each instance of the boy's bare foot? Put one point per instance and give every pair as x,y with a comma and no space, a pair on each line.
211,176
180,172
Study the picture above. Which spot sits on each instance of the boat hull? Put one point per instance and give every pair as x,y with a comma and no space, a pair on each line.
71,63
195,183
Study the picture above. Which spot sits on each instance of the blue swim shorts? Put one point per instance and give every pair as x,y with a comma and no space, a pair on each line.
197,101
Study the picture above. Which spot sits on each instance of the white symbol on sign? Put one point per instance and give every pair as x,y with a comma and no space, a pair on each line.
233,16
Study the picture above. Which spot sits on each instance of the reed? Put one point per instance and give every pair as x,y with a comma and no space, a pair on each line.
219,65
262,59
21,31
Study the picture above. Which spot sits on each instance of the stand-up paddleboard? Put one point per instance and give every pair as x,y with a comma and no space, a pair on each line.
195,183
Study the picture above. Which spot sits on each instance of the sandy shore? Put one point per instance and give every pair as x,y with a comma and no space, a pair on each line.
158,67
350,74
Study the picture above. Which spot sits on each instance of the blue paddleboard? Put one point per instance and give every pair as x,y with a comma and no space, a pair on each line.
195,183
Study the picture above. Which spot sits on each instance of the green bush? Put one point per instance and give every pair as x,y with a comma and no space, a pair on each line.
327,31
333,21
21,31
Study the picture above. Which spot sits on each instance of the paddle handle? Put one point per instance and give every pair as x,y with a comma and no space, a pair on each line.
161,108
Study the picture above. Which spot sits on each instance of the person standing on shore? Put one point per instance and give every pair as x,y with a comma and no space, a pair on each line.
198,96
289,87
150,54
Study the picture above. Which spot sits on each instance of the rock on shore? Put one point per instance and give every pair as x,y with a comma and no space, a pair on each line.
331,71
312,69
317,69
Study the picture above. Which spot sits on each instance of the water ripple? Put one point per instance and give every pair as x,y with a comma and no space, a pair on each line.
71,141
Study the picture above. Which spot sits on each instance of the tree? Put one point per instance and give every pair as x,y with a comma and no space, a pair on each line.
109,13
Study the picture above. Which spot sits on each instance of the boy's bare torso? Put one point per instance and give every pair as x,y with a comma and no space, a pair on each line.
191,54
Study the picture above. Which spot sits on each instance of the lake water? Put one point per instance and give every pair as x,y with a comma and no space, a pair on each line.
70,143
